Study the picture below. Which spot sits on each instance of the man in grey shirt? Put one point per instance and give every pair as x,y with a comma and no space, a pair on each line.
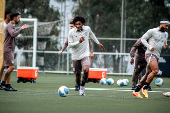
9,48
157,39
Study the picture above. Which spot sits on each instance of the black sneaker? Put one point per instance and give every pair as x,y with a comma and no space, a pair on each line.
1,87
149,88
76,87
9,88
133,88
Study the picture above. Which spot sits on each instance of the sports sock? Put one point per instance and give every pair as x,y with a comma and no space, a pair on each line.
138,88
3,83
7,85
83,82
146,85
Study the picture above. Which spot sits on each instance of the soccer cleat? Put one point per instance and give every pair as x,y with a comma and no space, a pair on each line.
149,88
76,87
81,91
9,88
137,94
1,88
144,92
167,94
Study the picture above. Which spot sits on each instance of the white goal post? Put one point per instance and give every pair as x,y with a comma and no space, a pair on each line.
34,38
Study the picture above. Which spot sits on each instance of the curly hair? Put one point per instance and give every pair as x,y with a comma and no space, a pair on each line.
78,18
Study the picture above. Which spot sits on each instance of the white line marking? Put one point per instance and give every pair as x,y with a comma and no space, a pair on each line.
115,89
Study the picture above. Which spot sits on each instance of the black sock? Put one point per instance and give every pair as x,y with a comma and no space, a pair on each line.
83,82
138,88
3,83
146,85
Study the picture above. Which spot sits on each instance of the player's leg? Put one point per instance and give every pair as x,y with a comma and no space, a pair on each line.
134,76
1,73
77,67
7,77
8,62
137,72
153,64
77,86
86,65
77,77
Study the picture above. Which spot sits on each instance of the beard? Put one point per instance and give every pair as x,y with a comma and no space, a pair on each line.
162,29
17,22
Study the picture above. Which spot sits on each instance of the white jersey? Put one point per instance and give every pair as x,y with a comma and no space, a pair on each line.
157,39
80,50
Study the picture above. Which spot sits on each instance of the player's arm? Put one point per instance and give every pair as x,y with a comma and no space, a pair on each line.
166,45
144,39
133,50
71,42
92,36
91,49
15,33
64,47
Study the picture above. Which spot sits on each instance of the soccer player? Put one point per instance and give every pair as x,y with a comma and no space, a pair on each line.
157,40
9,48
6,21
78,41
65,46
140,62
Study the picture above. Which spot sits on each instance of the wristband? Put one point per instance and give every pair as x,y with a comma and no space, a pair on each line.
132,58
91,50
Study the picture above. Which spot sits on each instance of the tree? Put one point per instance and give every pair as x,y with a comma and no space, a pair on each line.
143,15
41,10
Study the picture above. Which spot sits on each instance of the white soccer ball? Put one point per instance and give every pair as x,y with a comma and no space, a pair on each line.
103,81
126,82
120,82
110,81
63,91
159,82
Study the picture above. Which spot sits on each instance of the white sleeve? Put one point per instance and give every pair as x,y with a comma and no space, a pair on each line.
146,36
166,38
92,36
71,42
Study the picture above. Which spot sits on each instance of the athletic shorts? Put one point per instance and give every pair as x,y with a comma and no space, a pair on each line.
9,59
151,57
78,64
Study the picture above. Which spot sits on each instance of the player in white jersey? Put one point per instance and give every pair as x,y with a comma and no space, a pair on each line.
78,41
157,39
65,46
6,21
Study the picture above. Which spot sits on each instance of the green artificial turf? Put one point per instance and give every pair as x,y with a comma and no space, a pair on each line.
42,97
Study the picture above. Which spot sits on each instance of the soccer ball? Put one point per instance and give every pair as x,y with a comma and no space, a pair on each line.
159,82
110,81
63,91
103,81
120,82
126,82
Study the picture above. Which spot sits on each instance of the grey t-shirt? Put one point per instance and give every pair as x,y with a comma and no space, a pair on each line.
10,34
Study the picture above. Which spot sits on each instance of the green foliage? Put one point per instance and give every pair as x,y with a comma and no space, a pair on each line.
103,16
36,8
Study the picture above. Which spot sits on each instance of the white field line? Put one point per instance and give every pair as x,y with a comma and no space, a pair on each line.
119,89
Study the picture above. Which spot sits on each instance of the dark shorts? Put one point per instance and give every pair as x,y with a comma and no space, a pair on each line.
151,57
78,64
9,59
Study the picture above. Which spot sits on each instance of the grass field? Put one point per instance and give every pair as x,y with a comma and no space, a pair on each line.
42,97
